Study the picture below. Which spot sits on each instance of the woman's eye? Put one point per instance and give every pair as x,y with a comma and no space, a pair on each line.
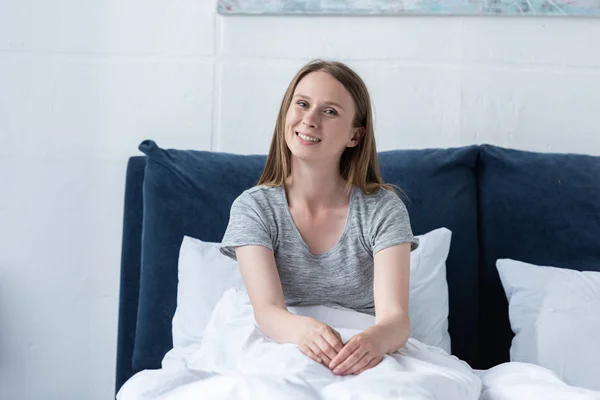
331,112
302,104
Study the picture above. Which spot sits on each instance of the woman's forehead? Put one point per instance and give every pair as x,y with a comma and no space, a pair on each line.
322,87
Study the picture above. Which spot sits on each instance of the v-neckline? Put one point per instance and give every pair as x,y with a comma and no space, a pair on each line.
299,236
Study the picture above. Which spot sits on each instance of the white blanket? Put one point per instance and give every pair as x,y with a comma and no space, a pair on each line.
516,380
236,361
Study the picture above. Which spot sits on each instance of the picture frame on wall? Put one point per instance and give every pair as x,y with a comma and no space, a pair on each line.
579,8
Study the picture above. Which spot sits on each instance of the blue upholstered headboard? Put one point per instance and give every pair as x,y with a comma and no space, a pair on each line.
131,252
497,203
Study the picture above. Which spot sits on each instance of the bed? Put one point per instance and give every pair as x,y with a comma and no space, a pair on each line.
535,208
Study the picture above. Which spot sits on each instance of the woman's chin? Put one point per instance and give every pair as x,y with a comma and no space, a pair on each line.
299,150
304,155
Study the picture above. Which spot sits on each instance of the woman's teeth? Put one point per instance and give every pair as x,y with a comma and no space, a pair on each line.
308,138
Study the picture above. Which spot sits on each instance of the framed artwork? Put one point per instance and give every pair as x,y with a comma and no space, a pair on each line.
585,8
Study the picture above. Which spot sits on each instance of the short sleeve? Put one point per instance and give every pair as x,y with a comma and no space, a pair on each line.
247,226
391,224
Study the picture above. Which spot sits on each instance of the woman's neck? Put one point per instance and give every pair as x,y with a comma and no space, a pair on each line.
315,186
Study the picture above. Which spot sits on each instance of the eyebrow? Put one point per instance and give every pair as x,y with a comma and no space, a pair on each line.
327,102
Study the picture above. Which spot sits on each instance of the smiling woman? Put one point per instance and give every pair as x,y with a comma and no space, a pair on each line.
321,227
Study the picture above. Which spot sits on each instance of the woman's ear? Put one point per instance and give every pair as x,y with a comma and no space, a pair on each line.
356,137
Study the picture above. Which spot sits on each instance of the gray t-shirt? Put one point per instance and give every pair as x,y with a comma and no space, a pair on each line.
341,276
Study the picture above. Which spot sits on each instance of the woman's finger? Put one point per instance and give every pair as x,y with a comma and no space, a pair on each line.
308,352
350,361
371,364
360,364
319,352
348,349
334,341
326,348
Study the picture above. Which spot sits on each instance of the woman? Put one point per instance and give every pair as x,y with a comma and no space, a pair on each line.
322,228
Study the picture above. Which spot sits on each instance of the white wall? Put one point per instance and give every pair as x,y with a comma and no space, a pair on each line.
82,83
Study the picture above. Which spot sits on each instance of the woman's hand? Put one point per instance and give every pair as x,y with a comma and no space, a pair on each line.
360,353
320,342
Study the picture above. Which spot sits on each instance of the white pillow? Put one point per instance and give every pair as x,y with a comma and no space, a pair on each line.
428,298
555,315
205,274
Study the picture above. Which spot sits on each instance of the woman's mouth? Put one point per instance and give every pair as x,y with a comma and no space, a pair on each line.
307,138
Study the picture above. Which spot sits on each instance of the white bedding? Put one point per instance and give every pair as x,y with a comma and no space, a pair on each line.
236,361
516,380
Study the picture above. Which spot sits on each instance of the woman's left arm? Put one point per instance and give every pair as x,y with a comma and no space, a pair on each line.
392,324
391,290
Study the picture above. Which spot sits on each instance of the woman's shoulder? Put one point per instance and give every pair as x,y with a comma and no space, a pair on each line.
261,196
261,191
379,197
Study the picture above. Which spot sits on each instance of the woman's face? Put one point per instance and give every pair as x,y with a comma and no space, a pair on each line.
318,124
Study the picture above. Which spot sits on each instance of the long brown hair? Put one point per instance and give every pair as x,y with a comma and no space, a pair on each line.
358,164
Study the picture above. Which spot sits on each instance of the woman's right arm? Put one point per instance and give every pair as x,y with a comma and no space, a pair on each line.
259,272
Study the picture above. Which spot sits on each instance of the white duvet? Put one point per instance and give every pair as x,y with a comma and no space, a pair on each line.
516,380
235,360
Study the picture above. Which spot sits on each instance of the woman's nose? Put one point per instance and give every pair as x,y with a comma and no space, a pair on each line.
310,120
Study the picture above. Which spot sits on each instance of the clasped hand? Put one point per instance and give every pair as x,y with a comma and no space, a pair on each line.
324,345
